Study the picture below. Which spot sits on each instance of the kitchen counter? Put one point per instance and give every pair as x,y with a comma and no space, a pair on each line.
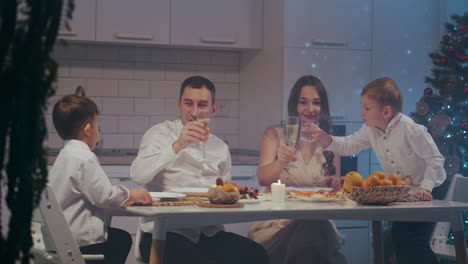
238,157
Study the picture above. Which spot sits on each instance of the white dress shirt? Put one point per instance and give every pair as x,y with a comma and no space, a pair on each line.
159,168
405,148
84,191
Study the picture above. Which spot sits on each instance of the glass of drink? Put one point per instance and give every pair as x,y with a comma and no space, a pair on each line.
205,118
291,131
308,129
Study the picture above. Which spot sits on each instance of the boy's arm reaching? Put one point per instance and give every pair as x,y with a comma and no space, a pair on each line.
348,145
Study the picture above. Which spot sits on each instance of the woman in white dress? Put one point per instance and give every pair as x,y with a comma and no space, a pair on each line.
299,241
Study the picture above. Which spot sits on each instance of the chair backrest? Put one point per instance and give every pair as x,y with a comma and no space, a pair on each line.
58,230
457,192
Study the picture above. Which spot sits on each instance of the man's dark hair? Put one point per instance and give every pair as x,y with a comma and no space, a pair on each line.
197,82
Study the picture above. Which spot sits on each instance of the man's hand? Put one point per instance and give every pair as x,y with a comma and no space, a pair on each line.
192,131
424,194
140,195
286,154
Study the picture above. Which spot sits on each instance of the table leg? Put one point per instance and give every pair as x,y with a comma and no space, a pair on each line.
459,235
157,251
158,244
377,235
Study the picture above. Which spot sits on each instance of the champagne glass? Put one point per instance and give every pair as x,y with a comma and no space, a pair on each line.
291,131
205,118
308,128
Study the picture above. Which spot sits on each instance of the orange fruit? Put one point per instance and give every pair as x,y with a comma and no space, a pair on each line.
400,183
364,184
386,182
379,174
394,178
373,180
352,179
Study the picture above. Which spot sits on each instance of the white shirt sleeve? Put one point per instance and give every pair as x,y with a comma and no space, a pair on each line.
97,189
154,154
424,146
352,144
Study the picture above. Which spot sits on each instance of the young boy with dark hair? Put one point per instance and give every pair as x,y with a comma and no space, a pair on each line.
82,188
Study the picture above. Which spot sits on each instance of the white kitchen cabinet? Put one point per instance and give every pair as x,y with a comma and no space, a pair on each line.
83,23
328,24
217,23
137,21
343,73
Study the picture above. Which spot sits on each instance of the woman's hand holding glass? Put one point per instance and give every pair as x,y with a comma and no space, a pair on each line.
286,154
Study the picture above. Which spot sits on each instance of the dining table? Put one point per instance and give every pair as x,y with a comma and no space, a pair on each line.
168,218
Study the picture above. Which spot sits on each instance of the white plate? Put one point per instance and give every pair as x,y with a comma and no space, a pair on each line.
252,201
189,190
159,195
318,199
308,189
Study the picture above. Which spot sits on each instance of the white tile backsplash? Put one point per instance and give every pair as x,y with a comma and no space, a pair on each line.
137,87
134,88
102,87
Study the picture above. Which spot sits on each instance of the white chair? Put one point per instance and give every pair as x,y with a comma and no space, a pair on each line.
136,245
458,191
63,248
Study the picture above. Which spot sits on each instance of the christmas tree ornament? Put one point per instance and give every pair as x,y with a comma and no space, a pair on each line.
439,123
442,61
446,37
450,50
464,126
428,91
422,108
465,90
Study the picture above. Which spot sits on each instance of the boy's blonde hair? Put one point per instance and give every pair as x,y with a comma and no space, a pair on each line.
71,113
385,92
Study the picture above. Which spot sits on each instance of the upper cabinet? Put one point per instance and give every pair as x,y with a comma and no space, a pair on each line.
136,21
217,23
328,24
83,23
202,23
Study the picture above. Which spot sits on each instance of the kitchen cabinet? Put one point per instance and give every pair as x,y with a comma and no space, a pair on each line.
138,21
343,73
328,24
217,23
83,23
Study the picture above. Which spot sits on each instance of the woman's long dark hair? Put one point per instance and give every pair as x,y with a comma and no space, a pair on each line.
324,121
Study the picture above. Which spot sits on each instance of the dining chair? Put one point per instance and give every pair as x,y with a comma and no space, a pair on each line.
457,192
136,244
59,244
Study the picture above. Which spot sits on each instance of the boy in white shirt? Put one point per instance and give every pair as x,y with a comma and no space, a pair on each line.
403,147
82,188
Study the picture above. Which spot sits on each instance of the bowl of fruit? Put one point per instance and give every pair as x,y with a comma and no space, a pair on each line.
223,193
376,189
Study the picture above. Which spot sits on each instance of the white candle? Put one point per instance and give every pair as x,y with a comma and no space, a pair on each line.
278,192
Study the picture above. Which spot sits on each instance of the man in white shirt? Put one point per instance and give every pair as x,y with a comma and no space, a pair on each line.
182,153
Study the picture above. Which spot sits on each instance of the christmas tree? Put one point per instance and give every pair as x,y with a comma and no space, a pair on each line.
445,113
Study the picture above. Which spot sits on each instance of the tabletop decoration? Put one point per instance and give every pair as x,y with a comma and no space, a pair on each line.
278,192
224,194
376,189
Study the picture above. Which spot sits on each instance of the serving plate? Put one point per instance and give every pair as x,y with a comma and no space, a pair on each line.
165,195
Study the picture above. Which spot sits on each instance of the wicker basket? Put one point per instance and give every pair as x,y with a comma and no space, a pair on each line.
378,195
